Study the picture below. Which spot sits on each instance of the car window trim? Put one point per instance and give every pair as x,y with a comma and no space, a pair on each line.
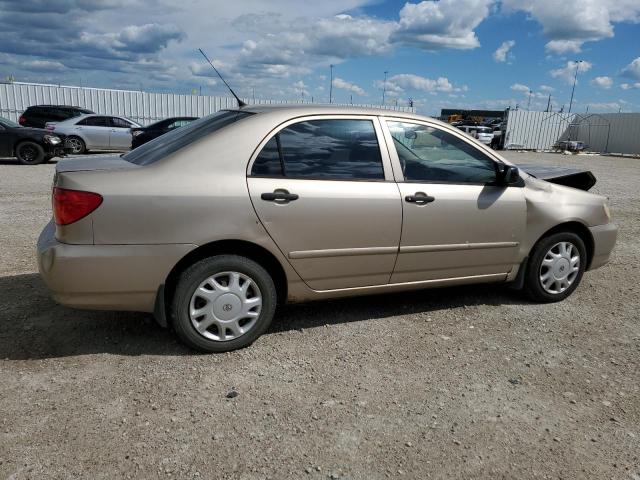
384,154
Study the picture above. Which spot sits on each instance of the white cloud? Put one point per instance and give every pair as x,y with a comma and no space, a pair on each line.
632,70
630,86
518,87
300,88
344,85
546,88
563,46
570,23
602,82
604,106
500,55
444,24
568,72
416,82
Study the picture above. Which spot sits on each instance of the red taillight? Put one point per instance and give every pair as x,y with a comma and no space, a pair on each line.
71,205
22,120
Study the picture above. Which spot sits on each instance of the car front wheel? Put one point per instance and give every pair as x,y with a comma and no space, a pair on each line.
223,303
555,267
30,153
76,145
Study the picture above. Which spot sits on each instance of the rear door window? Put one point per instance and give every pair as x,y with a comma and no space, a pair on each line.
332,149
94,122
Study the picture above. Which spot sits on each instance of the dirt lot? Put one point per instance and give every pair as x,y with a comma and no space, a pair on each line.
454,383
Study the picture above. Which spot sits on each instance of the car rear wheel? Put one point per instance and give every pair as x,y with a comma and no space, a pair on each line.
76,145
30,153
555,268
223,303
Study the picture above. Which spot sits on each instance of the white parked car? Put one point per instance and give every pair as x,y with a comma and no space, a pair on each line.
95,132
483,134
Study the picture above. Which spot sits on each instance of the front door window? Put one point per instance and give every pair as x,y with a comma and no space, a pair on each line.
431,155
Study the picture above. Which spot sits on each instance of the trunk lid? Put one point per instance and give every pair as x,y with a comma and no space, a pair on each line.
94,162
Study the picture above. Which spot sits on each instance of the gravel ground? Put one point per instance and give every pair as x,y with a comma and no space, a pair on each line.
468,382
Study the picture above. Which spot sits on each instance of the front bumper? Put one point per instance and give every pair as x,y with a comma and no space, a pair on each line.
58,150
604,239
105,277
55,150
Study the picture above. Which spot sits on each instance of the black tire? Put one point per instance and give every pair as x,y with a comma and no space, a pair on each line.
194,276
30,153
533,284
79,146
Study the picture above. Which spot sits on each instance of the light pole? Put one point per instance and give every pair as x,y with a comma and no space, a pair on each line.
575,79
384,85
331,84
529,101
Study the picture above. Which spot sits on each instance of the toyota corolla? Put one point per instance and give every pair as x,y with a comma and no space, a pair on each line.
212,225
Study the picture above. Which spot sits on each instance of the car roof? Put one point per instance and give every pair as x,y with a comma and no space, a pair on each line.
299,110
58,106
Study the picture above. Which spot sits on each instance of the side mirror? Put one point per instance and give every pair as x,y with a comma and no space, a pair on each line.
410,134
508,174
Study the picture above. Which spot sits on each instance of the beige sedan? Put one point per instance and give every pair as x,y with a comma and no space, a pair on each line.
214,224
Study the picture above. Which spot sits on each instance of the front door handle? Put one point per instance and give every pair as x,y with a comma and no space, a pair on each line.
279,195
420,198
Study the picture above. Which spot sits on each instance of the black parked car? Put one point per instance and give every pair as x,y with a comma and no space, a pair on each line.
38,115
144,134
30,145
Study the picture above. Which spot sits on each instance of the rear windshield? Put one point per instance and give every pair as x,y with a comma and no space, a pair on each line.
173,141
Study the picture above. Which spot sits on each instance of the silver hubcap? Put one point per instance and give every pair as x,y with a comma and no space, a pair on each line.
75,145
225,306
559,267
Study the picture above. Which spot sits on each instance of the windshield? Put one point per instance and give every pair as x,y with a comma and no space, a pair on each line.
173,141
8,123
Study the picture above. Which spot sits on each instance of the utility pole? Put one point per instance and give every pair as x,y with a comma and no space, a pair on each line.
548,104
351,97
384,85
575,79
529,101
331,85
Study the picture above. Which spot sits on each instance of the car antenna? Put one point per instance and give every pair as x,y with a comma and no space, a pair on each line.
240,102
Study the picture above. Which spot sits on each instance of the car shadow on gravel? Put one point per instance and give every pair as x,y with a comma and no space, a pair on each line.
355,309
33,326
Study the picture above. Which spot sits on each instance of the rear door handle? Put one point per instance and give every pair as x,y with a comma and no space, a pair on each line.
420,198
279,195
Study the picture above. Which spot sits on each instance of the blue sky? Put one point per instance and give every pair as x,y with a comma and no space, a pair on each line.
446,53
